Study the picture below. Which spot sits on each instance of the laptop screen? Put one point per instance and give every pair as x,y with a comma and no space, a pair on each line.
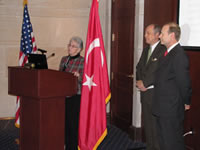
39,60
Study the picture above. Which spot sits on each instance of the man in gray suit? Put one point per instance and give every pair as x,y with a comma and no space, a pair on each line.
145,77
172,90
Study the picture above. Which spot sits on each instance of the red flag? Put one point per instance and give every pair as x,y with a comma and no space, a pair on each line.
27,45
95,88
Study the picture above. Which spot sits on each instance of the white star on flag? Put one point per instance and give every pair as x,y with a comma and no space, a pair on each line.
89,81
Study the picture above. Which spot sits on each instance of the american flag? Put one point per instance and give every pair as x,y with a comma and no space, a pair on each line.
27,46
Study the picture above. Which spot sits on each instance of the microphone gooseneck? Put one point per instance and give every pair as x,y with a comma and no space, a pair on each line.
41,50
53,54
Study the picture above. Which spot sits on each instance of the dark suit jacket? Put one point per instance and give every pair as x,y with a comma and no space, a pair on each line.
146,71
172,84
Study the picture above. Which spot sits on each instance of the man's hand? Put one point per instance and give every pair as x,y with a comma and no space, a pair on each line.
140,85
187,107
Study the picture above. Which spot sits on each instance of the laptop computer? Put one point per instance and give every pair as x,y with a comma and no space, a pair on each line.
39,60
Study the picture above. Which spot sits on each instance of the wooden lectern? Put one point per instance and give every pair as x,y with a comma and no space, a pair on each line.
42,116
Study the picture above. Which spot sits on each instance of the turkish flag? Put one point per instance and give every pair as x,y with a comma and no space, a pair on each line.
95,87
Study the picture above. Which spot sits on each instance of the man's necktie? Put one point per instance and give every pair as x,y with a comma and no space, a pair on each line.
166,52
149,54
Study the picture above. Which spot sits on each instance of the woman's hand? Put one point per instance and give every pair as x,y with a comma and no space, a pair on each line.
76,74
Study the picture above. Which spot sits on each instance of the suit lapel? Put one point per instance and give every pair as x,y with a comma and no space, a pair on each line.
154,56
145,51
166,59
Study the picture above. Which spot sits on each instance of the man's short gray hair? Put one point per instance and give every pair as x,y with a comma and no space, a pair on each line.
157,28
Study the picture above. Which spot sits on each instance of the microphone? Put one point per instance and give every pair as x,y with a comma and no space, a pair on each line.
41,50
53,54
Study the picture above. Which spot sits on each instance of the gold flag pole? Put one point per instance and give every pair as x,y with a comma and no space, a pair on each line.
25,2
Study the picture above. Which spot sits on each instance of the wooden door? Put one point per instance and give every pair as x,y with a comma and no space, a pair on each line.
123,16
160,11
192,117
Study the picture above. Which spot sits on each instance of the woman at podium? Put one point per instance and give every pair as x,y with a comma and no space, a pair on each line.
73,63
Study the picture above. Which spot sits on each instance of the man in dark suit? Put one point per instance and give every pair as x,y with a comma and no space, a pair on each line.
172,90
145,76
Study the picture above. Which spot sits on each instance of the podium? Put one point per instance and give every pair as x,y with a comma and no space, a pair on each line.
42,103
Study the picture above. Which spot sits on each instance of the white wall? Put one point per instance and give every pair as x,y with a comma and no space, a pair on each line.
139,26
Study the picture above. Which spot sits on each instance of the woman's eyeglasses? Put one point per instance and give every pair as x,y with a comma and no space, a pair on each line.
72,46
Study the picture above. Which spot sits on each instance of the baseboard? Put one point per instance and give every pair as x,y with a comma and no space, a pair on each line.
108,117
135,133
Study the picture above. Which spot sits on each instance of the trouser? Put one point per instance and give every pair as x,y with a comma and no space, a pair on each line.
170,132
149,121
72,109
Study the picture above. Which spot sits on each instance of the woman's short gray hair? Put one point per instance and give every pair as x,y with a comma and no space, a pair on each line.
78,40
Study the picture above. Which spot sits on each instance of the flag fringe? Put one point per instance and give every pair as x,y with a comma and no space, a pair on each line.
100,139
17,125
108,98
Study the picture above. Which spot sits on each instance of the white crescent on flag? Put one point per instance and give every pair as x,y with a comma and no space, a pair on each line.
95,43
102,60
